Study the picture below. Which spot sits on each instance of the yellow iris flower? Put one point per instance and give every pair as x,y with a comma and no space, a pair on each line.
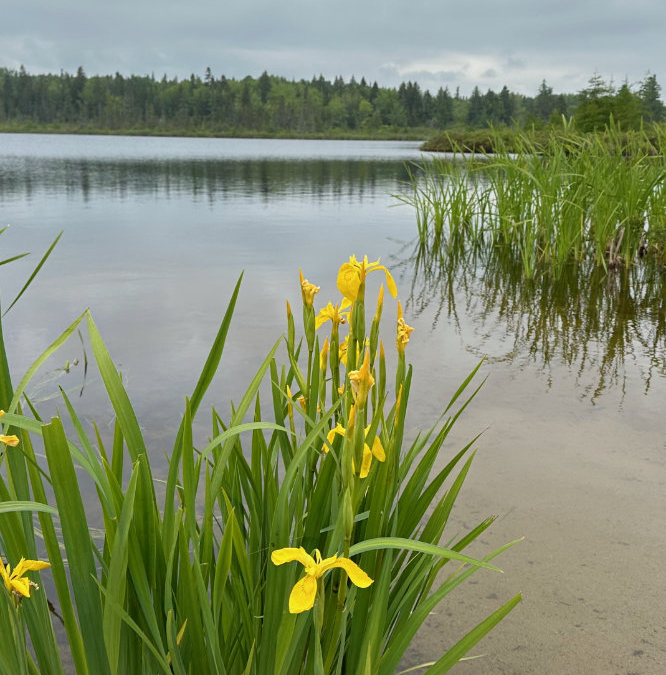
8,440
333,313
377,450
15,582
304,592
352,274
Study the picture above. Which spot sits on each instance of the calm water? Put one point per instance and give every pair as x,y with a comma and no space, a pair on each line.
157,232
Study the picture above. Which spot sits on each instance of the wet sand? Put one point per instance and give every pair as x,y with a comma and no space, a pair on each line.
585,484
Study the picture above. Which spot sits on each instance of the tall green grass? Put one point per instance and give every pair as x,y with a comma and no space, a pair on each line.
567,199
181,578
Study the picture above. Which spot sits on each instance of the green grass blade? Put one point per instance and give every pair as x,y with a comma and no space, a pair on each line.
419,546
54,346
160,658
407,628
36,427
16,257
238,429
92,462
461,647
57,568
213,360
6,390
34,273
116,581
78,545
7,507
117,394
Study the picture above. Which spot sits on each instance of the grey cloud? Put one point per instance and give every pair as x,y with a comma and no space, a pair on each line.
513,63
435,42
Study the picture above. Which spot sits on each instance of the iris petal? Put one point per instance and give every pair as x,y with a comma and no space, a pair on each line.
22,586
325,314
367,461
330,436
27,565
378,450
284,555
349,281
390,283
303,594
357,576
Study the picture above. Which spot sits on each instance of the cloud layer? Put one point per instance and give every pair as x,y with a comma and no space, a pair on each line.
434,42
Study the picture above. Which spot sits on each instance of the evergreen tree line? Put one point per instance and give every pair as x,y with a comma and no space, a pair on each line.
271,104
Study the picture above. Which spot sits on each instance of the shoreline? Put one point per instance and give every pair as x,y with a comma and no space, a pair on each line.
75,130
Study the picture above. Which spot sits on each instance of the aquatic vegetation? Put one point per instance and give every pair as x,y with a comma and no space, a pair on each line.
553,203
187,573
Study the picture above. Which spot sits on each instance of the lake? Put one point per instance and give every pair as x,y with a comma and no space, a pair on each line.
573,454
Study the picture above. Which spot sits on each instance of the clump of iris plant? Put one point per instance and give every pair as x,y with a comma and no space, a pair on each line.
192,576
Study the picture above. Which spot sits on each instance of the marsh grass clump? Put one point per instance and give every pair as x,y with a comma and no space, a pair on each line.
553,202
304,536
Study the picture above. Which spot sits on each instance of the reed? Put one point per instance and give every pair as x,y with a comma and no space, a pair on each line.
305,536
554,203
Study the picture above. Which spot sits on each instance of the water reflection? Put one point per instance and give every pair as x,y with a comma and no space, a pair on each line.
604,327
212,179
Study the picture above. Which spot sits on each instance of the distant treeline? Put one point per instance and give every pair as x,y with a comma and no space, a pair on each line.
274,105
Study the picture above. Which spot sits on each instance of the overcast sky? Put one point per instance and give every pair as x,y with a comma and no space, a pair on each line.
446,43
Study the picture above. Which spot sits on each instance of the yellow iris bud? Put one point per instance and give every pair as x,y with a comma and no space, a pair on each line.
361,380
308,290
323,356
403,332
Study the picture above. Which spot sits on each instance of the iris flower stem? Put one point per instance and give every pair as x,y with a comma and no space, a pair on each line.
309,479
358,321
359,442
309,325
339,626
318,617
18,636
334,362
322,392
400,371
309,380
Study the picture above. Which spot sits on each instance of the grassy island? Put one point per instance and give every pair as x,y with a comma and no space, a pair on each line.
649,139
